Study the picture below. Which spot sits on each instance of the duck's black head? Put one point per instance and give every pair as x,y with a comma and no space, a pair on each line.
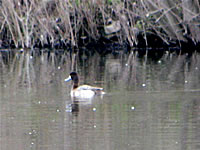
74,77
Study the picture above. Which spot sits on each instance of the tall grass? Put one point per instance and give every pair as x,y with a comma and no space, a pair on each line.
28,23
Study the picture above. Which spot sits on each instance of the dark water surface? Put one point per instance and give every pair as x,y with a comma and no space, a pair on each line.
149,105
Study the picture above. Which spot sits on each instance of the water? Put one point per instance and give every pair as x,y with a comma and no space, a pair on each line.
150,104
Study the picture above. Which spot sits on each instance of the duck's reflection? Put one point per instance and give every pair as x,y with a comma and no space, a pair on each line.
76,102
75,107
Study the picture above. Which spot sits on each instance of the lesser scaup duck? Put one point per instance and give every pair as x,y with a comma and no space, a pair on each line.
83,91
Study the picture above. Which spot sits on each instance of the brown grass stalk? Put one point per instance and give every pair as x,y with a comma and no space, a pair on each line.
27,23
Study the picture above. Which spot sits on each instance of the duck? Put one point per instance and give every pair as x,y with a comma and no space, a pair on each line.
82,91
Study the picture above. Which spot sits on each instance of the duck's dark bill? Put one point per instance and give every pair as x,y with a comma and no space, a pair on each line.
68,79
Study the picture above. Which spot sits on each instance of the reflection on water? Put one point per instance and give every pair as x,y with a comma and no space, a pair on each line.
149,104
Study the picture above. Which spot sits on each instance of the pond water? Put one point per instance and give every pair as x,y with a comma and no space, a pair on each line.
148,105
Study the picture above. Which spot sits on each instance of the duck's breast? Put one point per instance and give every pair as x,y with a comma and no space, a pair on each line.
83,94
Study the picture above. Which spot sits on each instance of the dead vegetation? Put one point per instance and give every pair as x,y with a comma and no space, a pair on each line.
40,23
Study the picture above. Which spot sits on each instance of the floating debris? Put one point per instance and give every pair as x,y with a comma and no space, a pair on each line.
94,109
113,27
21,50
132,108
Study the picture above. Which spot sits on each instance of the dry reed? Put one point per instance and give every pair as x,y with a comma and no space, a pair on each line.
40,23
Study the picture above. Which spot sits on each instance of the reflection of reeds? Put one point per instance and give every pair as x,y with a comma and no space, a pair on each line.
31,70
39,23
192,72
125,71
171,73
